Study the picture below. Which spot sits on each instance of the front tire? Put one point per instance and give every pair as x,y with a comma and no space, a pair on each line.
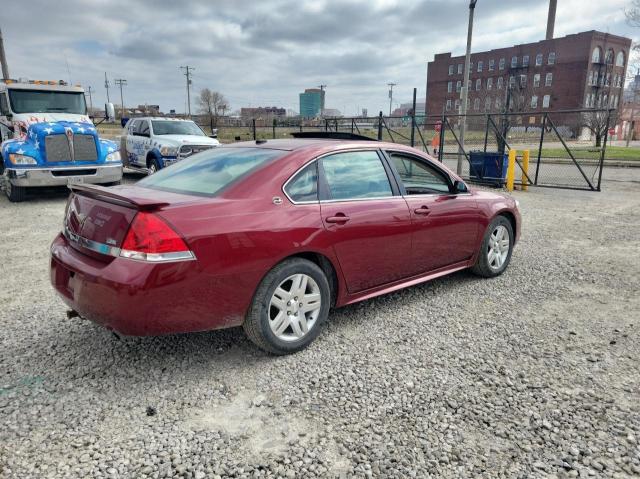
495,251
154,166
16,194
289,307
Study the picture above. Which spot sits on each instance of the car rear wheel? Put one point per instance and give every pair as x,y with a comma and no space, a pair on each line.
496,249
289,307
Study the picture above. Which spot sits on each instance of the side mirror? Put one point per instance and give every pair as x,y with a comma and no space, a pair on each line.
459,187
109,112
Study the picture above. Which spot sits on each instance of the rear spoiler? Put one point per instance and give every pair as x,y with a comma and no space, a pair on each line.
110,196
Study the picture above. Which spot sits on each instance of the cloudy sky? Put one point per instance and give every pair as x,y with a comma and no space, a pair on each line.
260,53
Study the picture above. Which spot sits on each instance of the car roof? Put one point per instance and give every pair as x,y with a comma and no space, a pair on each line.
293,144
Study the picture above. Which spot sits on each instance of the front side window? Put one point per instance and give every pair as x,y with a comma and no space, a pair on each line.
4,106
304,186
143,127
42,101
418,177
209,172
356,174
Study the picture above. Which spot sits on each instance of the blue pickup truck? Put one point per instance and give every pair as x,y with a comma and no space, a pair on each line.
49,140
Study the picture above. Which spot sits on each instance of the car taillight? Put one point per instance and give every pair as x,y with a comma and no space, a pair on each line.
151,239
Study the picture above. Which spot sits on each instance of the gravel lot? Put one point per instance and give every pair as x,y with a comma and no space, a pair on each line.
533,374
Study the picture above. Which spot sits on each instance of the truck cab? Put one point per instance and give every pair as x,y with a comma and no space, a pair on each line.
152,143
47,139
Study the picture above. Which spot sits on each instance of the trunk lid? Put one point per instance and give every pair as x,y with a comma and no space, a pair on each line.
98,218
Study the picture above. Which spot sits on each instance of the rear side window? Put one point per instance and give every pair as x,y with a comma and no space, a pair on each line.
418,177
356,174
208,173
304,185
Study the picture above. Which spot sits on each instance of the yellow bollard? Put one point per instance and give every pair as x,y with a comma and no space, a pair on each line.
525,169
511,170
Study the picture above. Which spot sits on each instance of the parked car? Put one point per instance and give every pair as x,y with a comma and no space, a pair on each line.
151,143
270,235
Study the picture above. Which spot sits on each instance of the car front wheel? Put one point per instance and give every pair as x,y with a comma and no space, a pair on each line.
495,251
289,307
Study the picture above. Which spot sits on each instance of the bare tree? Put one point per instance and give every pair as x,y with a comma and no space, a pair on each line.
633,13
212,103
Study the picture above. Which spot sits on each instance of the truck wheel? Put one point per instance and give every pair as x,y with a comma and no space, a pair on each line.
16,194
154,166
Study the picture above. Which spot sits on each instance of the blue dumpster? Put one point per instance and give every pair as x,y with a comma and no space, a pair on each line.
488,168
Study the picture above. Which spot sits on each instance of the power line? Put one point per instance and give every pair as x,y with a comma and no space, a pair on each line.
187,72
121,82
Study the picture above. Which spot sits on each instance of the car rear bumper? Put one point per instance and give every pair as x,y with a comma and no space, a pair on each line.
61,176
137,298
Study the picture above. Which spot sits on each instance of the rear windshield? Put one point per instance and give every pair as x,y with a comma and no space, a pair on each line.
209,172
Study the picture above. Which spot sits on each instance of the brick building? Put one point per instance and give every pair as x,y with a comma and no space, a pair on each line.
583,70
262,112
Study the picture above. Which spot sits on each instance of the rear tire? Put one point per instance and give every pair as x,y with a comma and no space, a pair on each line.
289,307
495,251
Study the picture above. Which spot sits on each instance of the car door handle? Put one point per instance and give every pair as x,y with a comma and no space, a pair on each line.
423,210
339,219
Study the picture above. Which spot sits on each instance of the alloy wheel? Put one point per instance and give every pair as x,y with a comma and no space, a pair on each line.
294,307
499,245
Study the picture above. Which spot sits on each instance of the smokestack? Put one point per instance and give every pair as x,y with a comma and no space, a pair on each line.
3,59
551,20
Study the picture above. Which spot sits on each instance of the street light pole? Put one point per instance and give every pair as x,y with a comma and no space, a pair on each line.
464,94
391,85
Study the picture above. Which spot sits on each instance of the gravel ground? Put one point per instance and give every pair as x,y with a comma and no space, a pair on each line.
532,374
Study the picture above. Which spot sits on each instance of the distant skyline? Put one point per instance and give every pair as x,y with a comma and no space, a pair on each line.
266,53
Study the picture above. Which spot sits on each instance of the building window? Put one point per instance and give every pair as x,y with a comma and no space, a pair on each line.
487,104
476,104
552,58
448,105
539,59
525,61
587,101
548,80
512,81
546,100
607,80
489,83
499,84
514,62
534,101
450,69
595,56
615,104
480,66
459,68
501,64
536,80
478,84
604,100
492,65
590,78
609,57
523,81
449,87
620,59
458,86
498,103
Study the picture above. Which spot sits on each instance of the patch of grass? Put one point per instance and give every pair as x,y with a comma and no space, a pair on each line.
612,153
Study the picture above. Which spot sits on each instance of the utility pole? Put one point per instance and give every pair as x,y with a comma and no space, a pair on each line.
106,85
121,82
464,94
391,85
3,59
187,72
89,92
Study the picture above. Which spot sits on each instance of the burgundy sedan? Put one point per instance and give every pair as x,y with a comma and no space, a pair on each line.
269,235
